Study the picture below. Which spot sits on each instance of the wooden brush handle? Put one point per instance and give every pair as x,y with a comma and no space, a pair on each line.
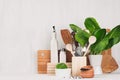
66,36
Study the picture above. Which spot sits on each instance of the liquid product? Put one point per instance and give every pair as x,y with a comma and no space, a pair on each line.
54,47
62,56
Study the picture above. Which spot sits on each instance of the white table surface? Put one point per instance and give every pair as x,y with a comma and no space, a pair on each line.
52,77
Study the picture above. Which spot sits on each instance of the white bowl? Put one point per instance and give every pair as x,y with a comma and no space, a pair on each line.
63,73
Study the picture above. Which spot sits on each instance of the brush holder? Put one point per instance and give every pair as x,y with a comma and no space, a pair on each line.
77,63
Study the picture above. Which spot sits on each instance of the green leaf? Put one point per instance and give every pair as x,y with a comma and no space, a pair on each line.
100,34
91,24
82,37
114,37
100,46
75,28
61,66
110,44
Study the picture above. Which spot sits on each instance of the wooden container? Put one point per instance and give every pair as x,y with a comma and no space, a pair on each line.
43,59
51,67
87,72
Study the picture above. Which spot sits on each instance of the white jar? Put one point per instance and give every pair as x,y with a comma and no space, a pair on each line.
62,56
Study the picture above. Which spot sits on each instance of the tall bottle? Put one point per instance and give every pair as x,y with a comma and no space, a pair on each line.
54,47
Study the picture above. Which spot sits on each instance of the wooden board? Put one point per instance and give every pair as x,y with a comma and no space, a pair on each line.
43,58
109,64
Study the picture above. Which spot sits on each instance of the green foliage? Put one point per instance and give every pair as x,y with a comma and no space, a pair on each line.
99,34
82,39
61,66
104,40
75,28
91,24
112,38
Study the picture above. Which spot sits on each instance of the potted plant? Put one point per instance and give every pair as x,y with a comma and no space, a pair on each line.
62,71
104,40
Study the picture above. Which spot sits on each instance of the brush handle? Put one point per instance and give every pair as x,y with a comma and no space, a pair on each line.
87,50
72,52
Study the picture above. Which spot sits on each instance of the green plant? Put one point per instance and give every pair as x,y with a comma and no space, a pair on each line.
104,40
61,66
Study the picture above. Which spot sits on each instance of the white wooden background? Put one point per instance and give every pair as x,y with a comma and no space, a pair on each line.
25,27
